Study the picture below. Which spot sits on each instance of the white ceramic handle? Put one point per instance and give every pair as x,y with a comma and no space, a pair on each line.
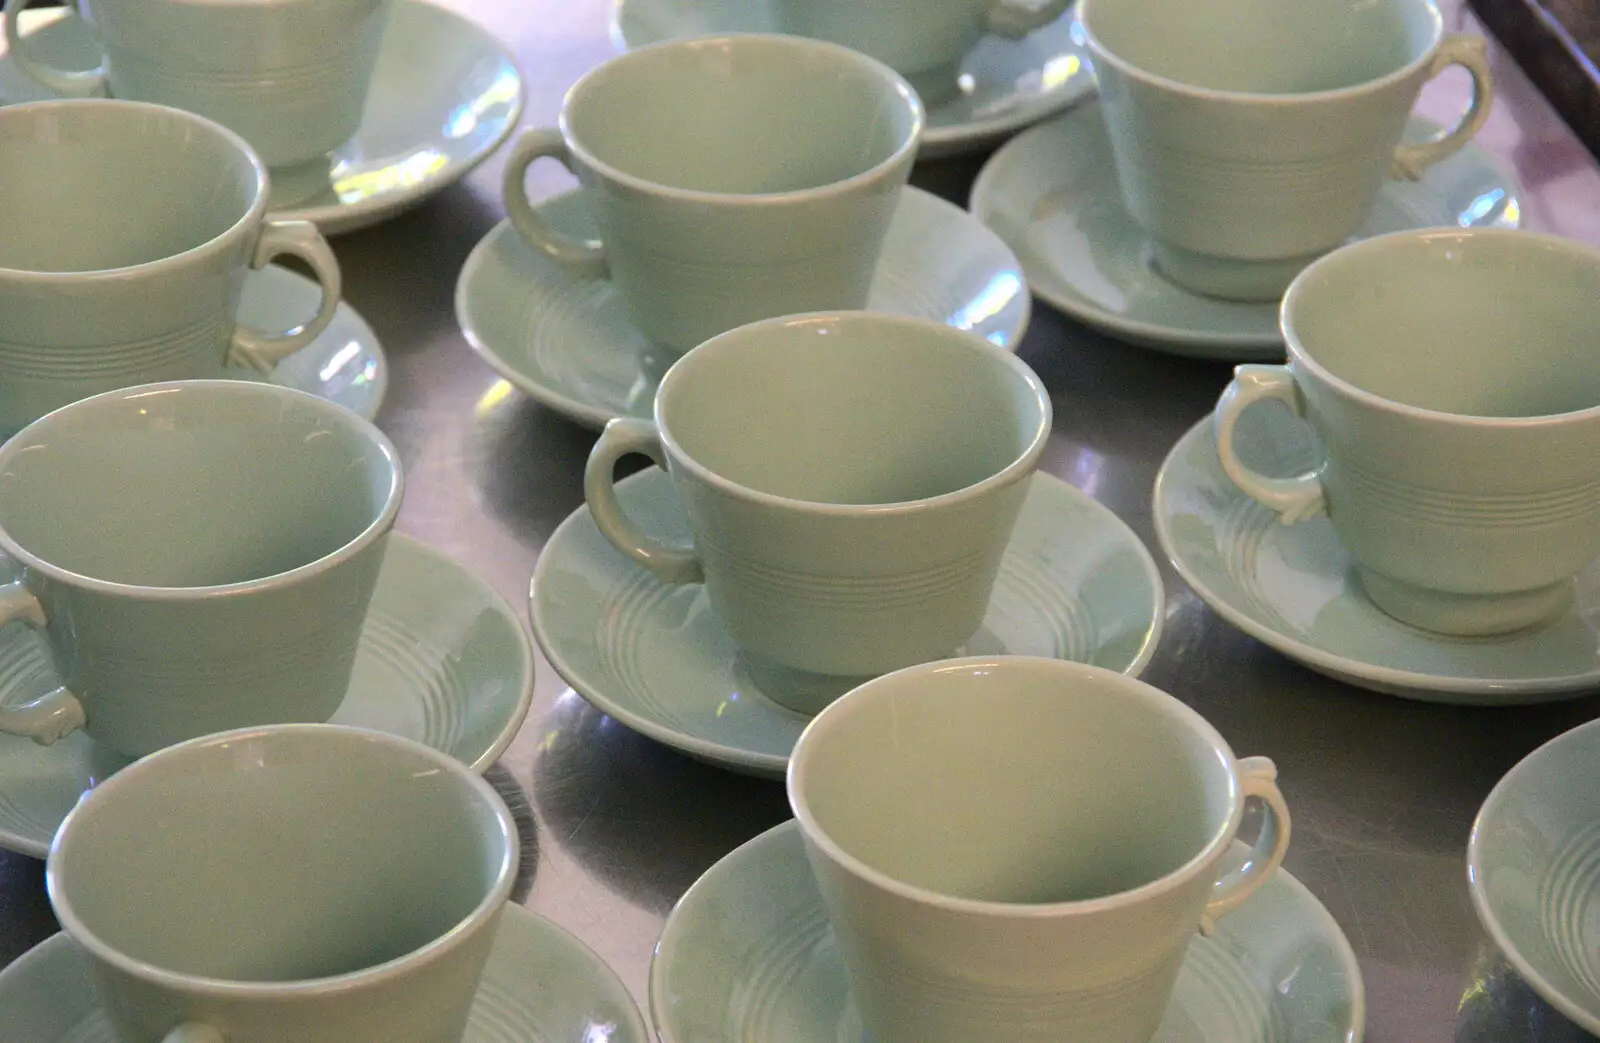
54,714
65,82
194,1032
1295,499
1466,51
1013,20
1258,778
586,257
261,351
623,437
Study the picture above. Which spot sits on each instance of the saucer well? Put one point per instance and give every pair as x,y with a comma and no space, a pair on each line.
1293,588
1533,868
1005,84
566,342
344,365
1075,583
541,985
1052,195
444,95
443,660
747,954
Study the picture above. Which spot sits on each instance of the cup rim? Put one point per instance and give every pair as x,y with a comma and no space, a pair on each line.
841,708
497,895
1102,53
1578,1012
1299,356
1019,468
902,154
380,524
252,216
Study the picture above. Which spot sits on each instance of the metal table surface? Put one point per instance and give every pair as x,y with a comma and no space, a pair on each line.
1383,790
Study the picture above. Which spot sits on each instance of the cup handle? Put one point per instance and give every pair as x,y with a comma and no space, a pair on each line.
623,437
194,1032
1258,777
65,82
261,351
1013,20
1468,52
585,257
54,714
1295,499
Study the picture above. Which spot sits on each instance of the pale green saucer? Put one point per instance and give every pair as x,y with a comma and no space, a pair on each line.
1006,85
1533,867
444,96
443,660
747,956
345,364
1075,583
541,985
1292,586
565,341
1052,195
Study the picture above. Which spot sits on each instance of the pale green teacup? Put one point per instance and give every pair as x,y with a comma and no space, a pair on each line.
290,76
924,42
850,480
1252,136
128,232
300,883
199,555
1452,379
732,178
1017,850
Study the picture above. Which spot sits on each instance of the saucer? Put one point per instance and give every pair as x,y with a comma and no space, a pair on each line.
747,954
1005,84
443,660
1052,195
444,95
565,341
1075,583
1292,587
1533,867
344,365
541,985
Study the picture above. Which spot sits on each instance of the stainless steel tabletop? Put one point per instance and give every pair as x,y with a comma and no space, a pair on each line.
1383,790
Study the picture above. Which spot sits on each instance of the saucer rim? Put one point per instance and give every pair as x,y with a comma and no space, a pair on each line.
656,986
372,345
771,765
1586,1017
595,417
1405,684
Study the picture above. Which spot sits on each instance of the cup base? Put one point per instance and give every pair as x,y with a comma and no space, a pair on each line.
797,690
293,185
1228,277
1466,615
937,86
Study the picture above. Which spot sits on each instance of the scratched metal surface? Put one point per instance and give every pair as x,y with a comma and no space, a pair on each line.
1383,790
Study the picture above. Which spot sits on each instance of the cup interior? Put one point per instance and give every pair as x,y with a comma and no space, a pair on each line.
1264,46
193,483
97,185
1498,324
1014,780
742,114
280,855
852,409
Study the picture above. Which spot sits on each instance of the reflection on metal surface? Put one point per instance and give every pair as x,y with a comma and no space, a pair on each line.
404,172
517,803
492,399
502,91
1497,1006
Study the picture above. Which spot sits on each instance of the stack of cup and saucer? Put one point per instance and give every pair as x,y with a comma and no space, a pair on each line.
362,108
785,194
1232,142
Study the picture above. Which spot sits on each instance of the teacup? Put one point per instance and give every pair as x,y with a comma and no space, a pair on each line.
290,76
1451,378
850,480
1252,136
1015,849
128,269
924,43
732,178
312,883
198,554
